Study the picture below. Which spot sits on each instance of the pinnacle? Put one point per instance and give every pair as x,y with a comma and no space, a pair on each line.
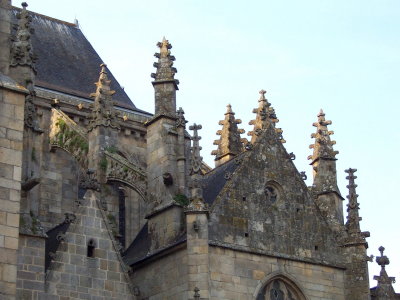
265,117
230,143
323,145
165,70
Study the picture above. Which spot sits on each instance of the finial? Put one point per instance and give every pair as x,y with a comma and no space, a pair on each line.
196,158
165,70
229,110
323,145
353,218
384,281
262,95
180,121
382,260
104,113
21,48
230,143
265,117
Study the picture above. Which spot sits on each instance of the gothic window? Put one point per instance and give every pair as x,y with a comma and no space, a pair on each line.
280,289
90,248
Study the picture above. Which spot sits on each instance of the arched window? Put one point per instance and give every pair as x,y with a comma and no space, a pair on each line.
280,288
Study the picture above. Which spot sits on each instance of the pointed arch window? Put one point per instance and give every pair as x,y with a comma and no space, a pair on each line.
280,288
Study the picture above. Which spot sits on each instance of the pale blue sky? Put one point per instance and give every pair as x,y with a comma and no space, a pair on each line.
342,56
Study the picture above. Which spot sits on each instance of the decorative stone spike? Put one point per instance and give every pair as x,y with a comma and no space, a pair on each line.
165,71
196,200
384,289
230,143
180,121
265,116
22,66
196,158
103,113
323,144
353,218
21,48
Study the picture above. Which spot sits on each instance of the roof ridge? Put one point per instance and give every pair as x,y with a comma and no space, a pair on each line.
48,18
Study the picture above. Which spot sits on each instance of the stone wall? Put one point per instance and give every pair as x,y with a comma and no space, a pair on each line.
240,275
30,273
164,278
12,102
76,272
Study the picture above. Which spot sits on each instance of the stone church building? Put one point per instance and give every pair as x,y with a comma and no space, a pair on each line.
102,200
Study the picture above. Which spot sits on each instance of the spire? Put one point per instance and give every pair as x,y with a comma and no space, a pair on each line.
21,48
384,289
323,146
230,143
165,71
353,218
265,115
103,113
196,199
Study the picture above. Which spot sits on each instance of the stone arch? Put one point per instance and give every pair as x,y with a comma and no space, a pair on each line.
139,190
279,286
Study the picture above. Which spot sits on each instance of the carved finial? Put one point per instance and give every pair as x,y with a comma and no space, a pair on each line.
196,158
21,48
384,287
323,146
165,70
265,117
262,95
103,113
353,218
230,143
196,199
180,121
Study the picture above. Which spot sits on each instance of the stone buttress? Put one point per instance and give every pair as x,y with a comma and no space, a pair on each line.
103,126
197,227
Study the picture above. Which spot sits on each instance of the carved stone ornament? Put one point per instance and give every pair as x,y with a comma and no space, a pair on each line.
120,169
89,181
103,112
180,121
69,218
21,47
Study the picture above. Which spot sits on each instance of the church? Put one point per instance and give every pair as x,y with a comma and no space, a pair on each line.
102,200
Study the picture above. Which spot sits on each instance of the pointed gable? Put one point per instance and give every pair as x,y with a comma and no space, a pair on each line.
266,207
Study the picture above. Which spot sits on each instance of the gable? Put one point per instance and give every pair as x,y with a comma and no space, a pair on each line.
265,207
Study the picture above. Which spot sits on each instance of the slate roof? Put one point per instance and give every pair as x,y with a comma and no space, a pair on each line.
215,180
67,62
140,248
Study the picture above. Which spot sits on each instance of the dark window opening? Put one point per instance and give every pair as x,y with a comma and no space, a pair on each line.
90,248
271,194
244,198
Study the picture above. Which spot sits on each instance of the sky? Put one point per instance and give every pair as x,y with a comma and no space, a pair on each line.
342,56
